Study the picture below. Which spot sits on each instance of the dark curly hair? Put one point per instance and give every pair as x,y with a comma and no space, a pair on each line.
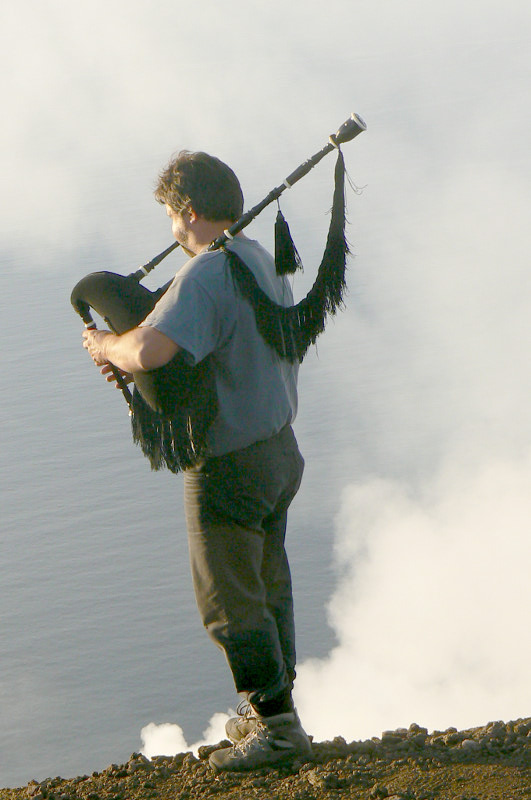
202,182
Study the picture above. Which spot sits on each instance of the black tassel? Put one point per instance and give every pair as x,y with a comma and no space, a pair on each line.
287,258
290,331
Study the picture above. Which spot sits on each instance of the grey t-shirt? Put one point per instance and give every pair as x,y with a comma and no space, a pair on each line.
203,312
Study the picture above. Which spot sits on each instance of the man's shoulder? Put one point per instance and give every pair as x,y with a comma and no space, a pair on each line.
209,273
250,247
240,245
201,269
262,264
207,258
211,263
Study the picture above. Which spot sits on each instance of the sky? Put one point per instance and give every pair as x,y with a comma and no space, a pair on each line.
421,386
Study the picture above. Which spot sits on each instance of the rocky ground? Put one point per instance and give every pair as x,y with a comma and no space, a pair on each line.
488,763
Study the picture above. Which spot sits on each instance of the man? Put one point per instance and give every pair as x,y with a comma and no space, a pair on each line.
237,496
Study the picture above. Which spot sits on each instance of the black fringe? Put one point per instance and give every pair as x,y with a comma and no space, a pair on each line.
290,331
176,438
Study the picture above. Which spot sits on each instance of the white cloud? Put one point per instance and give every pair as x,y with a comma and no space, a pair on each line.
92,108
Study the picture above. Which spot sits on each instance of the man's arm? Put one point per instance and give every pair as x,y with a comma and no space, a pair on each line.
137,350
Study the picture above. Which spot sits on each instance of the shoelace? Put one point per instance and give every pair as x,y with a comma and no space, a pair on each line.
245,709
259,734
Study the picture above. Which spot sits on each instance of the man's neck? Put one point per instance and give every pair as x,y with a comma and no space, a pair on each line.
205,231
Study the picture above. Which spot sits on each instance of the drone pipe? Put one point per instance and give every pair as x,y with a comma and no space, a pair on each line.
350,129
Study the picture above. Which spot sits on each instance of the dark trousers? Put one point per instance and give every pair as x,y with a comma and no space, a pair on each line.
236,510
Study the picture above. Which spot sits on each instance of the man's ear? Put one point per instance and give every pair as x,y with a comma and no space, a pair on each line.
193,215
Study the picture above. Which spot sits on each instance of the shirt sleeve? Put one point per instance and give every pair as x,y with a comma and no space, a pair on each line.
187,314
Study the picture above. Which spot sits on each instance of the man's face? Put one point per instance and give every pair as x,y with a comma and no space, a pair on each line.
179,226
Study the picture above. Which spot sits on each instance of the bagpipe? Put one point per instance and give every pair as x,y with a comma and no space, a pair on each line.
172,407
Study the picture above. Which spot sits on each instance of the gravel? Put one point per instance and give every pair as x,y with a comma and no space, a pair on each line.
492,762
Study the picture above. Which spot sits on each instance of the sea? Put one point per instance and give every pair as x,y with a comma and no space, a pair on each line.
99,629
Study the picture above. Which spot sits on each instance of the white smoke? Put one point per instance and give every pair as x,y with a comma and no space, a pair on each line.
432,606
168,738
432,544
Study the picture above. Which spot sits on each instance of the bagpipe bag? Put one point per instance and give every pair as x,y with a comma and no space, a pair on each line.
171,407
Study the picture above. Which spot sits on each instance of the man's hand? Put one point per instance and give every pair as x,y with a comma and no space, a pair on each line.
138,350
94,342
107,370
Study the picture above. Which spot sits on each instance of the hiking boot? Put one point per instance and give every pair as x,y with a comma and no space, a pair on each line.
237,728
274,740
